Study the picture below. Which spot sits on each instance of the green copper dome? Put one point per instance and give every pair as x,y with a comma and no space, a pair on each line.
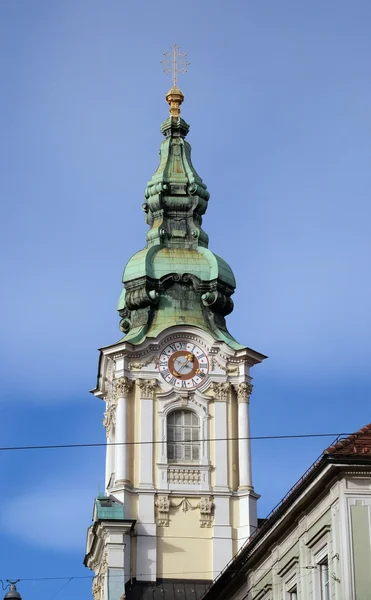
176,279
158,261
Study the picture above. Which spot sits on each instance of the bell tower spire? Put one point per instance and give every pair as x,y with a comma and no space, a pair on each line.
176,279
179,499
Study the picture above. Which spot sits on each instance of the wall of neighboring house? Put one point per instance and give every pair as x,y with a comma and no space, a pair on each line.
325,554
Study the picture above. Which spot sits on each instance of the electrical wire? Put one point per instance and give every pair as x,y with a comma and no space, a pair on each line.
142,443
70,578
61,588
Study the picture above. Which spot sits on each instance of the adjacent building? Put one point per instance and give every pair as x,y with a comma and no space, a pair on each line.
316,545
179,500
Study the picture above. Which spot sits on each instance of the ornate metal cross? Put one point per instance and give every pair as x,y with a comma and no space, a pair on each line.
175,63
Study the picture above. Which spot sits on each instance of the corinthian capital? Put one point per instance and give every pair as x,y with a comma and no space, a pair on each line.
243,391
147,388
221,391
122,387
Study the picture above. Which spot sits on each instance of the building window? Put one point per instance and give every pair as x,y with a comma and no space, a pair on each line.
293,593
324,579
183,437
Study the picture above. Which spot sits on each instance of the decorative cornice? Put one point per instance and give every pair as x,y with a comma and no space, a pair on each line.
243,391
221,391
147,388
122,387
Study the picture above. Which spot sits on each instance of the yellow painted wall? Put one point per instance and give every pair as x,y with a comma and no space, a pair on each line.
184,549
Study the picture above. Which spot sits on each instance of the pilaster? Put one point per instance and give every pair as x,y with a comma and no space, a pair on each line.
221,396
147,389
243,391
122,387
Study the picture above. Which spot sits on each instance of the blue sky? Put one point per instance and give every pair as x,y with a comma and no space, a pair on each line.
278,97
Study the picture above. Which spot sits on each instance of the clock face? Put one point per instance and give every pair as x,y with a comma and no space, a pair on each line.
184,365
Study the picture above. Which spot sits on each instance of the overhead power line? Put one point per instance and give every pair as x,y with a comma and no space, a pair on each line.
142,443
121,575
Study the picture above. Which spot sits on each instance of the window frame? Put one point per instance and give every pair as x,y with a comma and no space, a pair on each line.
319,547
179,443
324,594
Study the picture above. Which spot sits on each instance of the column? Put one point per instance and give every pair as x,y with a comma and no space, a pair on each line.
244,447
147,392
122,388
221,397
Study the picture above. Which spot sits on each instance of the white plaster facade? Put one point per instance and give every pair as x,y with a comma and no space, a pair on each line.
316,546
190,518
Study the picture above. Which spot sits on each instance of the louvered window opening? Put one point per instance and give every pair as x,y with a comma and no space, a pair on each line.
183,437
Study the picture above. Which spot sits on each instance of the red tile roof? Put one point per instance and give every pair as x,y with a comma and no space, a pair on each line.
358,443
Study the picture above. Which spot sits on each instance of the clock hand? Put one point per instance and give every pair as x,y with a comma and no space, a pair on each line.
189,359
183,365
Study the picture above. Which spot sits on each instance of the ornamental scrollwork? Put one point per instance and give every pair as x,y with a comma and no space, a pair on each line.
206,511
122,387
243,391
98,581
147,388
163,508
109,420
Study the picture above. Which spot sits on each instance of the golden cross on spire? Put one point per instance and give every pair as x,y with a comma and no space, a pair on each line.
175,63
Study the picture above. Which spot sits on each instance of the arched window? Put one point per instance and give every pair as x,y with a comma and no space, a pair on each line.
183,437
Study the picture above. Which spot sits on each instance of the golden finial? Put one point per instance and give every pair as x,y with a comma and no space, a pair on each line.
175,64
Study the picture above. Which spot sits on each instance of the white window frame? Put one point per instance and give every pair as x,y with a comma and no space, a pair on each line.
320,552
180,445
199,406
291,589
321,557
324,594
290,580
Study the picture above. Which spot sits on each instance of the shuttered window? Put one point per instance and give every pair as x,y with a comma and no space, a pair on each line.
183,437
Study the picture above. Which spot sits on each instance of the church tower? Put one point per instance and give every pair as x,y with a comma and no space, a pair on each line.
179,499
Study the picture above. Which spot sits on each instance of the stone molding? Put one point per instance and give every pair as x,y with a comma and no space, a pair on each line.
147,388
164,503
221,391
243,391
122,387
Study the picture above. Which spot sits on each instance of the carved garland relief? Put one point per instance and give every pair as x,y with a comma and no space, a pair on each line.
164,503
